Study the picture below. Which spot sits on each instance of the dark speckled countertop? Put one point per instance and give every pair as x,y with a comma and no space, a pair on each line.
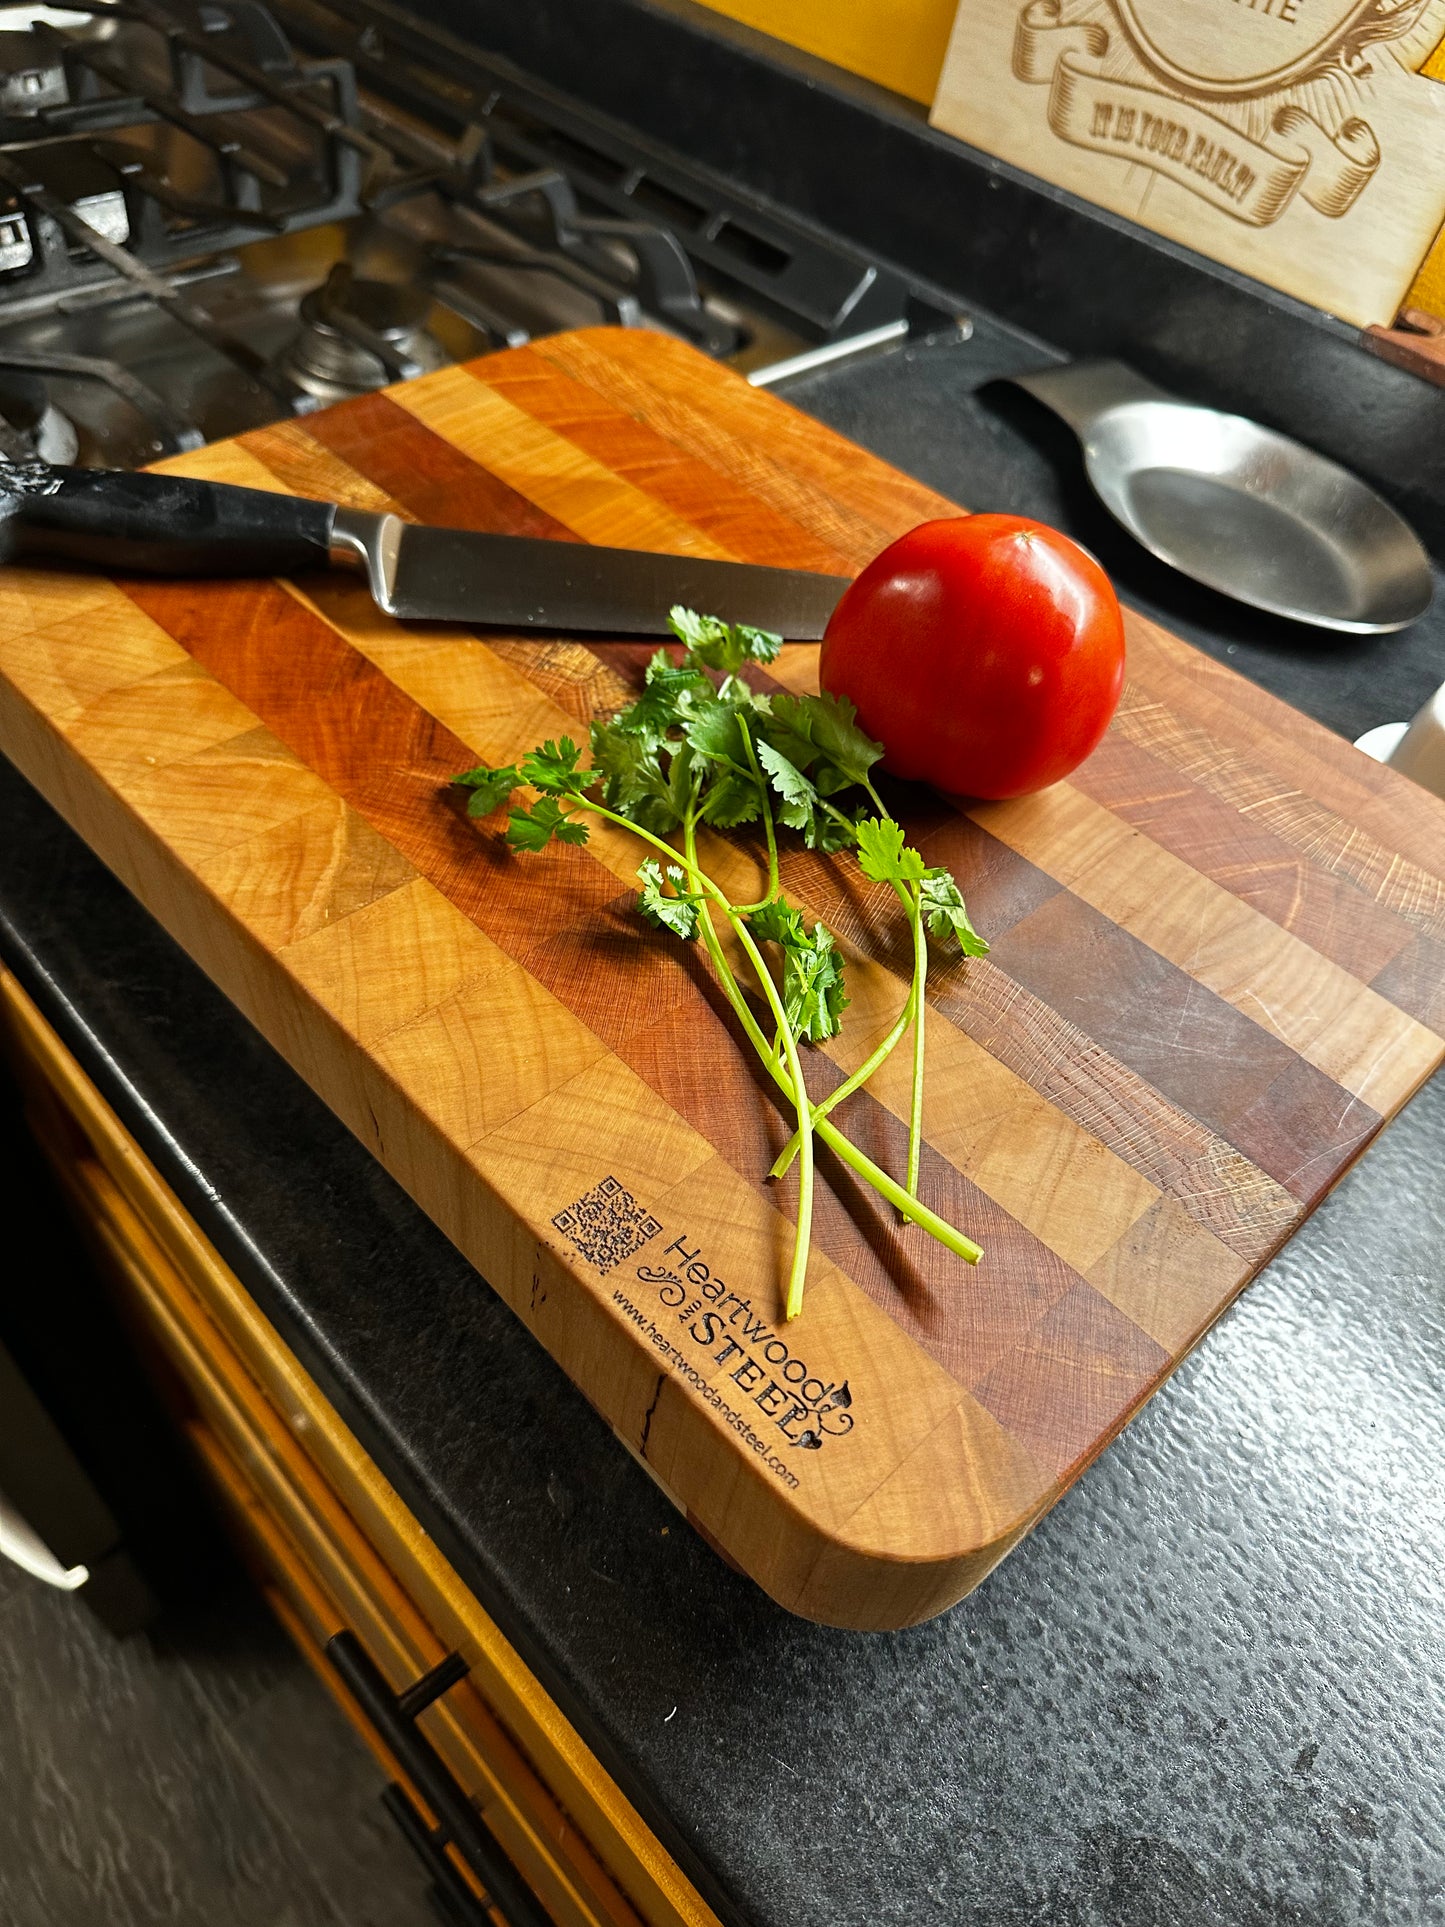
1209,1687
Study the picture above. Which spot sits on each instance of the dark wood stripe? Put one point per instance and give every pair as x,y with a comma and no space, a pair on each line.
425,475
1415,981
1244,856
1073,1382
633,449
562,917
1342,809
1188,1043
1215,1184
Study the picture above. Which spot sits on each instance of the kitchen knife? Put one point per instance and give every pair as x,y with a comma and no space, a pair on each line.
136,523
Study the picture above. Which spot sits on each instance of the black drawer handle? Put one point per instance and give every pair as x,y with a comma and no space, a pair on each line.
392,1715
455,1902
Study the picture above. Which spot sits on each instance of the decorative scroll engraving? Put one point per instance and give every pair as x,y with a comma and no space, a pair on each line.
1267,113
1244,152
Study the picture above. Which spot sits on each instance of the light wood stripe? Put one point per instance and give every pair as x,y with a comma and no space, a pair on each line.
1375,826
547,468
665,471
820,498
1329,840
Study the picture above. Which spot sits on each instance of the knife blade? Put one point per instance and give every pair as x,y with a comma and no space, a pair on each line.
142,523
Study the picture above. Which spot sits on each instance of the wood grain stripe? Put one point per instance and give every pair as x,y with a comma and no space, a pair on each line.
665,472
1214,1183
1322,1012
807,482
1340,807
1189,1044
1261,793
549,470
422,470
1244,856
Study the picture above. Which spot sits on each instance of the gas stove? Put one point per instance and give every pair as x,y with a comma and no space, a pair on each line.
216,215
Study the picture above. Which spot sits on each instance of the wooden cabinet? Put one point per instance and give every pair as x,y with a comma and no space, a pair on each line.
333,1546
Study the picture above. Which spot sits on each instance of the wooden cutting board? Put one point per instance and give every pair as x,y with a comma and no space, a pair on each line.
1216,969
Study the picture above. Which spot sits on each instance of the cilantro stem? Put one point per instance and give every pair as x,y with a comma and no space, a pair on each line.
831,1135
774,884
797,1276
912,901
798,1272
919,1000
858,1161
850,1084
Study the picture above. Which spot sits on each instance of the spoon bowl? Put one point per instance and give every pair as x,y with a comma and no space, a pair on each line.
1238,507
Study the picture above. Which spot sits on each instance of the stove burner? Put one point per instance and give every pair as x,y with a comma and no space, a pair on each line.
31,426
358,335
32,78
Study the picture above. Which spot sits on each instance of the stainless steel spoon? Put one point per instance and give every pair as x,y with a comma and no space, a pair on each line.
1238,507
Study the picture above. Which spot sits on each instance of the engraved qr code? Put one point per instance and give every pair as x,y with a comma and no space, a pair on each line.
607,1225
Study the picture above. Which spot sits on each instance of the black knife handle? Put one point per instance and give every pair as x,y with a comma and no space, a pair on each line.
157,524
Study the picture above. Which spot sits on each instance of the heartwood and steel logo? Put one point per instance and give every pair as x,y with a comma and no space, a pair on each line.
711,1334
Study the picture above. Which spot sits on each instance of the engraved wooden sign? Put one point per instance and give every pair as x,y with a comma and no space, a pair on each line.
1293,139
1216,969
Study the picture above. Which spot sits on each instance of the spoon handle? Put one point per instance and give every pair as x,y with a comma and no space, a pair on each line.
1081,391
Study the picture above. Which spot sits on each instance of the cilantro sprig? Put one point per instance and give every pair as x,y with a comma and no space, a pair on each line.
699,748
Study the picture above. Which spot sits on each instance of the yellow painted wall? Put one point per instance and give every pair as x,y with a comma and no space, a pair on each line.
899,43
1429,289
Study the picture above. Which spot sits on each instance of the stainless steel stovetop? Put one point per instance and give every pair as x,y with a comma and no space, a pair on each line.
204,228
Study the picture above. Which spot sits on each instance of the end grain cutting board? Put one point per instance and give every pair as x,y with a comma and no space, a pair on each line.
1216,969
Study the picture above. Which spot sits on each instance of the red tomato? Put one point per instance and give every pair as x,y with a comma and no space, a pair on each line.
986,653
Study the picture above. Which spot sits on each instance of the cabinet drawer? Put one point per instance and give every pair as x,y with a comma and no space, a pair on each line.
363,1555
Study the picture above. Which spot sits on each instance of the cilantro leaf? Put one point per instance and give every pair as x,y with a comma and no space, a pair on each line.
627,765
823,826
677,912
553,767
724,646
816,1011
789,781
812,978
758,645
883,854
944,908
731,799
778,922
669,691
534,829
715,731
489,788
696,633
829,724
